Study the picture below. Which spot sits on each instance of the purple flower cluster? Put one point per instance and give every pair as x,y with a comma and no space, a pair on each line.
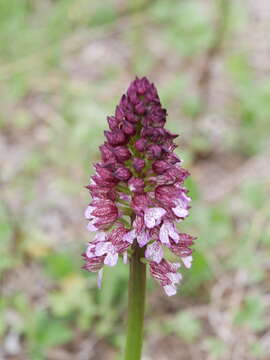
137,190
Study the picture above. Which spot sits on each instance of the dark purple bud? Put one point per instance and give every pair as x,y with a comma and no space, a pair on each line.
138,164
140,202
157,116
167,134
106,152
95,263
140,144
110,164
119,113
132,117
122,173
122,153
182,248
104,173
116,137
124,102
155,151
166,194
171,158
159,133
132,94
142,85
101,192
178,174
148,131
136,185
113,122
128,128
140,108
116,238
160,166
104,183
105,210
169,146
152,94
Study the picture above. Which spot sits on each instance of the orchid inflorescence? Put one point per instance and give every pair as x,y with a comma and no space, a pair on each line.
137,190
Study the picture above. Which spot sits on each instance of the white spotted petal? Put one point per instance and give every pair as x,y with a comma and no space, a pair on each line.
187,260
154,252
153,216
170,289
111,259
130,236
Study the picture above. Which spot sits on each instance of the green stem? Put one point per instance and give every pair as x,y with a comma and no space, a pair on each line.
136,303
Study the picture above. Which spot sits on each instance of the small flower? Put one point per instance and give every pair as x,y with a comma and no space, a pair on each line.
95,264
167,231
140,232
182,247
166,274
101,213
137,190
106,248
154,252
175,198
153,216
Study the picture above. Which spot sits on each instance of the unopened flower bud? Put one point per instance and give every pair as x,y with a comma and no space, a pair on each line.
140,108
136,185
119,113
113,122
128,128
116,137
140,144
155,151
160,166
122,153
142,86
106,152
138,164
122,173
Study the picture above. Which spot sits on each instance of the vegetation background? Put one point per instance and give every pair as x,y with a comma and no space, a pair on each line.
63,66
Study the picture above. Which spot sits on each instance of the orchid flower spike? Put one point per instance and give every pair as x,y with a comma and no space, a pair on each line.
137,190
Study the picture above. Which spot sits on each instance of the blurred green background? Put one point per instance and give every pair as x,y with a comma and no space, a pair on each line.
63,66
